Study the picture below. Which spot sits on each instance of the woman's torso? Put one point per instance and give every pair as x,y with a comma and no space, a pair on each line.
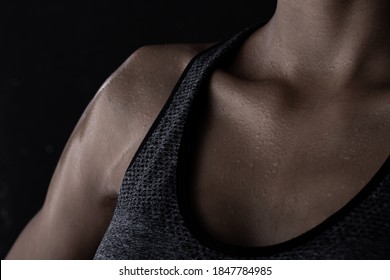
268,163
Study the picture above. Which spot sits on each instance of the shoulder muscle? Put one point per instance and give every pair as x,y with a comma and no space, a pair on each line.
82,193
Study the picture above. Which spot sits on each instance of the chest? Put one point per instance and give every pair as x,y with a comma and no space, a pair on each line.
263,172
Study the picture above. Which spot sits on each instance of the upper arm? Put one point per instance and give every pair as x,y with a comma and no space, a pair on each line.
82,193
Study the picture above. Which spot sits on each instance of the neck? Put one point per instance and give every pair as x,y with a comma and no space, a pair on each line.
329,39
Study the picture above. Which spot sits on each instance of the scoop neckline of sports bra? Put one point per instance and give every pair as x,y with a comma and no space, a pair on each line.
251,251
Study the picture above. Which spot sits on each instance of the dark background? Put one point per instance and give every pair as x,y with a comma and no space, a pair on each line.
54,55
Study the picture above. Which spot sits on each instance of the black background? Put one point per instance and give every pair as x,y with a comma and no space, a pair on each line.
54,55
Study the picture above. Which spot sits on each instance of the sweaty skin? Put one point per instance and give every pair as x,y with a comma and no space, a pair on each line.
295,126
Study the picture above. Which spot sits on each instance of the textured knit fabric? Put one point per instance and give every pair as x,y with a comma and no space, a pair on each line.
151,220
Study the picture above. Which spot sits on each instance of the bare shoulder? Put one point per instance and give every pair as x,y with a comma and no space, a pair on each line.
124,108
132,98
150,71
137,91
84,187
